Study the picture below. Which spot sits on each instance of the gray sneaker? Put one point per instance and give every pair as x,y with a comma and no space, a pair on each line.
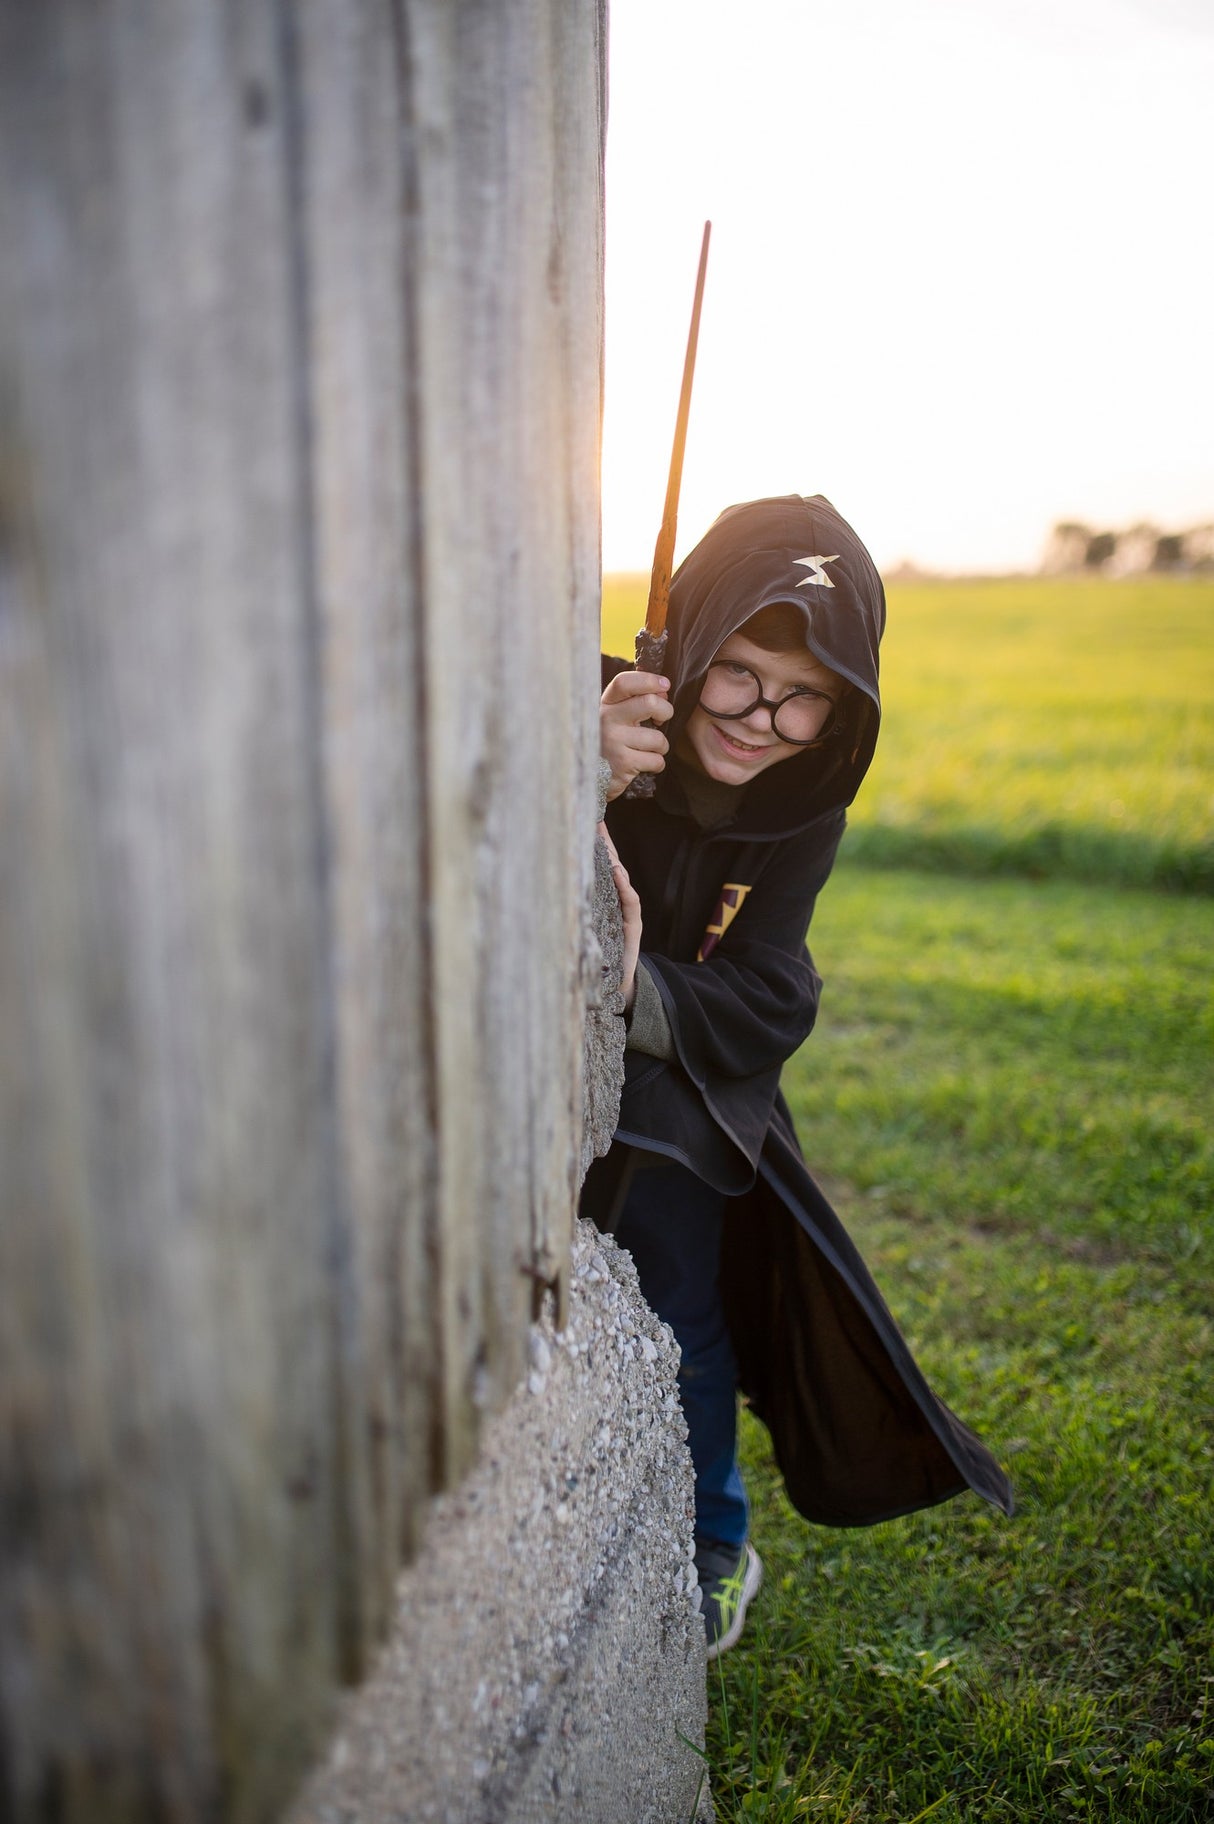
729,1577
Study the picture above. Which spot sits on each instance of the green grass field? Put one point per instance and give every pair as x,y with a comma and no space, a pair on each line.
1008,1097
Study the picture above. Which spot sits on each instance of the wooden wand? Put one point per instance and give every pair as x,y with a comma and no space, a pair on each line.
651,640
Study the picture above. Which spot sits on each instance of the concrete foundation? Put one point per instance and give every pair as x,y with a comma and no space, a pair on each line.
548,1658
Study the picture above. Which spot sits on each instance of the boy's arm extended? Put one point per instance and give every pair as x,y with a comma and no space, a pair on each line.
746,1008
733,1020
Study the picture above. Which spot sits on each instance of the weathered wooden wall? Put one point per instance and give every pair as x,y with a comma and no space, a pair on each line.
299,396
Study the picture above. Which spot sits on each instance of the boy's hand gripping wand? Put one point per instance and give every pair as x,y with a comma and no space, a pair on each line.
651,640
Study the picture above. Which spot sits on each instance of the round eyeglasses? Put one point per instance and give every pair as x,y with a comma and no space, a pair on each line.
804,718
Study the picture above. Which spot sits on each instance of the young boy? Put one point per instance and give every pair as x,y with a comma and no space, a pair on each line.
766,723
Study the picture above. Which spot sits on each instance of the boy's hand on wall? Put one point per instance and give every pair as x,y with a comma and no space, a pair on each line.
630,912
632,698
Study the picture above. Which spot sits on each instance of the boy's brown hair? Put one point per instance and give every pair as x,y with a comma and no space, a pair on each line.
777,628
780,627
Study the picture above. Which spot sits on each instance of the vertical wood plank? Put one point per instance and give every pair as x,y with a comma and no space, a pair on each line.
299,377
353,185
184,1496
503,602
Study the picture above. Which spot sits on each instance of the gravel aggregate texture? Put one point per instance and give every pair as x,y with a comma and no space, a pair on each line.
548,1657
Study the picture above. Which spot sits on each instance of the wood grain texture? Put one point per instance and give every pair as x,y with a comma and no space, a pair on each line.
299,392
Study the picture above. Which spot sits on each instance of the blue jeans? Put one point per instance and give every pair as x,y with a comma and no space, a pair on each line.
671,1225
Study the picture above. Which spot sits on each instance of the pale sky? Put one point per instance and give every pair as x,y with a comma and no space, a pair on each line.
962,267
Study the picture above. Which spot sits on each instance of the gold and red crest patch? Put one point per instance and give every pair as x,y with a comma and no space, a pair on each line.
728,907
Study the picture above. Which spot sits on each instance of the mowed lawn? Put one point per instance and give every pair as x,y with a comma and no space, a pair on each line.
1008,1096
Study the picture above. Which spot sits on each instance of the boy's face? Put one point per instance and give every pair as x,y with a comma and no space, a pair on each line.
734,752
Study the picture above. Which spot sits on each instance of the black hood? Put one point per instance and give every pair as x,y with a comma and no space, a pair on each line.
797,550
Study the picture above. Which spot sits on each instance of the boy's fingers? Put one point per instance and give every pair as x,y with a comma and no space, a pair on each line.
648,763
624,885
645,741
641,692
617,866
634,683
645,707
628,896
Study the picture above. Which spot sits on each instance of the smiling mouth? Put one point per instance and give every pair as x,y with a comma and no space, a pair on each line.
742,748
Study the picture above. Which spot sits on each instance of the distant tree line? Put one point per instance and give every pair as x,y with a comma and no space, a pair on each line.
1073,547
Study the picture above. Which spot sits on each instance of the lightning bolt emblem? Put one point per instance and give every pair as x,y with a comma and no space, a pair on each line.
816,573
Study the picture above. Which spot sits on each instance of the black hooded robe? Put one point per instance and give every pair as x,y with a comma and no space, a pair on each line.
857,1431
